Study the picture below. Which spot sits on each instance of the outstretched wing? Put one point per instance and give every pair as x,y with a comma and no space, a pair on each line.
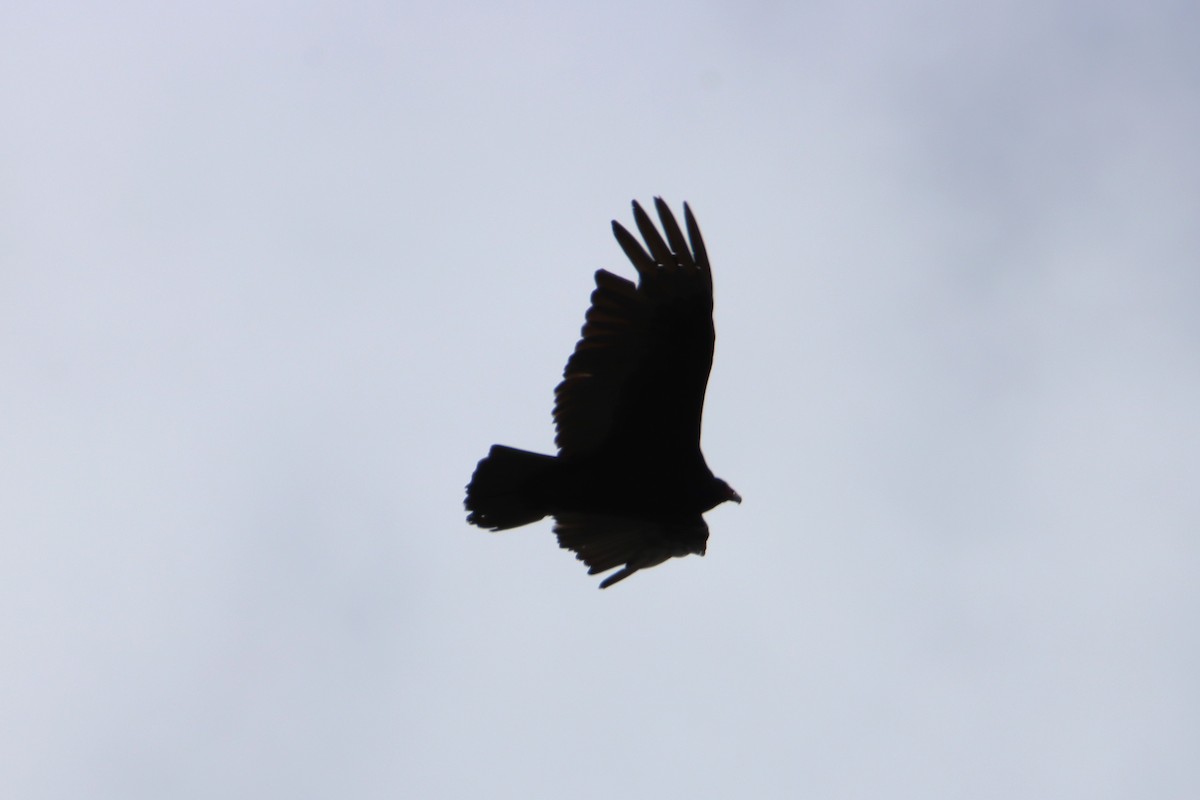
635,383
605,542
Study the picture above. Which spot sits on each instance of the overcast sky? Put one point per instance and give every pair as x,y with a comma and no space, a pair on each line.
274,276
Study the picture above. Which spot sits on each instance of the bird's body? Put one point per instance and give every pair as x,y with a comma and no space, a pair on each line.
629,483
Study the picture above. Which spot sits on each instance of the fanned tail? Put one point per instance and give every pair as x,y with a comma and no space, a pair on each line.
504,491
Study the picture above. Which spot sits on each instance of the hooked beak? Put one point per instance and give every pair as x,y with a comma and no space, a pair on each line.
735,497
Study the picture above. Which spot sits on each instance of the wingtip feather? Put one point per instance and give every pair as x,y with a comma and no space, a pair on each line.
654,241
683,255
698,249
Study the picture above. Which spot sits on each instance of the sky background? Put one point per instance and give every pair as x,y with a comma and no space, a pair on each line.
273,277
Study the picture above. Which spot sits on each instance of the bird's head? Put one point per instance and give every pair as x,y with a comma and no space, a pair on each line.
726,492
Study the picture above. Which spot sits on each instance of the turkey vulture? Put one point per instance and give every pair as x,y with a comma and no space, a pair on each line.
629,484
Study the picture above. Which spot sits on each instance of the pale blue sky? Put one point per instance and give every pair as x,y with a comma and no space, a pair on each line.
273,278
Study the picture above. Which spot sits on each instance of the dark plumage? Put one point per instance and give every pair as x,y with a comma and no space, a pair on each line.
629,484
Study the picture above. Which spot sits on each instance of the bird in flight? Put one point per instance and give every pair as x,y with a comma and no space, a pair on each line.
629,484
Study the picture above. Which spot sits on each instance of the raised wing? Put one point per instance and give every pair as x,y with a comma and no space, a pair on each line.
636,381
605,542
